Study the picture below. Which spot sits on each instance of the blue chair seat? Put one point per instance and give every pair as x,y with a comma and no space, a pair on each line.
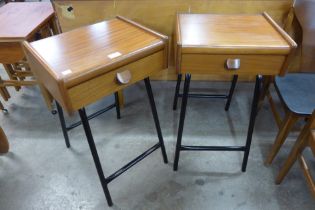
297,92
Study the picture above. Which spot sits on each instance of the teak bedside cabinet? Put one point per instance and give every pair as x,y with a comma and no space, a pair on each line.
80,67
19,22
228,45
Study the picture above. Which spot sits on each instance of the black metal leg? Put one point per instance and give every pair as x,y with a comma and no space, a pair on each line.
156,118
117,105
181,120
253,115
179,79
228,102
89,136
63,124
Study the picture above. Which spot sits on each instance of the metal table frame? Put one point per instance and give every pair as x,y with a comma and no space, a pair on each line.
185,96
66,128
106,180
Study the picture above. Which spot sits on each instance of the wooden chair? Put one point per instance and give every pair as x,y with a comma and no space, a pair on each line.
296,92
305,139
295,89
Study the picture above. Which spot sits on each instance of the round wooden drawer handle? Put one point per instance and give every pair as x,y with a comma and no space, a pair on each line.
233,64
123,77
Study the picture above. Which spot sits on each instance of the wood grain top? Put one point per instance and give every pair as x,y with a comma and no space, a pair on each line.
200,32
92,50
20,19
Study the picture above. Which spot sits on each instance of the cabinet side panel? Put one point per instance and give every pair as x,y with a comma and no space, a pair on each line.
45,78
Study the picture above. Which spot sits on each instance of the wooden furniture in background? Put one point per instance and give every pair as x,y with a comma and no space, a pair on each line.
296,91
251,45
302,13
4,144
81,66
19,22
160,15
305,139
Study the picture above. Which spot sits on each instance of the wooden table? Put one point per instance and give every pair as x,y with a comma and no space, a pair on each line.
160,15
252,45
80,67
20,22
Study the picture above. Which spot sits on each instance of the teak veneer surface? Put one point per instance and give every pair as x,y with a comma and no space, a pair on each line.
85,50
201,31
160,16
20,20
204,42
76,68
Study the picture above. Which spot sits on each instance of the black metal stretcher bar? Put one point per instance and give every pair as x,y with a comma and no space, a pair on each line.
132,163
104,181
197,95
66,128
245,149
211,96
95,114
212,148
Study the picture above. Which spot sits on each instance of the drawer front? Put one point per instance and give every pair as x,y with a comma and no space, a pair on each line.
11,52
217,64
92,90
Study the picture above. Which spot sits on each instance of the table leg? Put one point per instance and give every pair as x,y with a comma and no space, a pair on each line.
156,118
179,79
89,136
253,115
121,98
9,69
1,106
55,26
232,88
4,91
4,144
265,88
181,120
63,124
66,128
117,105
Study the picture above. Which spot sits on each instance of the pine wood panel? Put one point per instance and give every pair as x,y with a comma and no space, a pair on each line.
10,52
19,20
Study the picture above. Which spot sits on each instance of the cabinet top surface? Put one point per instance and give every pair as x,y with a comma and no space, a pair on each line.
95,48
19,19
228,31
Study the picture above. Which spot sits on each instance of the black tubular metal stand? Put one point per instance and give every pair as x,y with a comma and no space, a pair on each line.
245,149
181,120
252,120
232,88
66,128
179,79
89,137
105,181
211,96
155,117
63,124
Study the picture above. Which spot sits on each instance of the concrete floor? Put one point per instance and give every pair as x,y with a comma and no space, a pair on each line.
39,172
